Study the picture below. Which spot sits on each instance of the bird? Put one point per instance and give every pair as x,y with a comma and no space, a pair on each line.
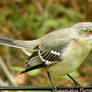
59,52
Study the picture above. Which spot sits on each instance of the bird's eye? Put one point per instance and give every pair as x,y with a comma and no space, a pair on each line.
89,31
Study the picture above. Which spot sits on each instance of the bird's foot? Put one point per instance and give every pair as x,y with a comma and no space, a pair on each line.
80,90
54,88
80,87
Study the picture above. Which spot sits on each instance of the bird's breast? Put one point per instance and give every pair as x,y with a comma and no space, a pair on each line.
73,56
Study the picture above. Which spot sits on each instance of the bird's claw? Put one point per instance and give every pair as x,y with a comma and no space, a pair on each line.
54,88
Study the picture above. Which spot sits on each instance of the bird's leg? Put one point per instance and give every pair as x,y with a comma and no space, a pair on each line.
76,83
54,87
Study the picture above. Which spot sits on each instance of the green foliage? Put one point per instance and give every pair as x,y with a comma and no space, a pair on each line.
29,19
19,69
34,72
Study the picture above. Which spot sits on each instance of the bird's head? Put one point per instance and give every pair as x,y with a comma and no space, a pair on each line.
83,30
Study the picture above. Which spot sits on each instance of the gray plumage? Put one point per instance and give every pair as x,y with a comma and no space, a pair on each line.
59,48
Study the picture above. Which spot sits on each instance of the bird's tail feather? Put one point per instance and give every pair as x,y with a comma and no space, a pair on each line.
19,43
33,68
8,42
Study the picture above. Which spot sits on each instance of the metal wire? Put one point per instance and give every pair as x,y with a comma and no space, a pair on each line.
45,88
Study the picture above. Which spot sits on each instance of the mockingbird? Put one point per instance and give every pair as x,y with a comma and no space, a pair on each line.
59,52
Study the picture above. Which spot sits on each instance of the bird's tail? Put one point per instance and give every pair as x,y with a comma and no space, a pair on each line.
33,68
25,45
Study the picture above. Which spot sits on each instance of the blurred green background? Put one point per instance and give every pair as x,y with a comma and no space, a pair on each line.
30,19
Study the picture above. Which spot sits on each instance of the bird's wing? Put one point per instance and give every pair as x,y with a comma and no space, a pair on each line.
44,57
50,56
48,52
41,58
